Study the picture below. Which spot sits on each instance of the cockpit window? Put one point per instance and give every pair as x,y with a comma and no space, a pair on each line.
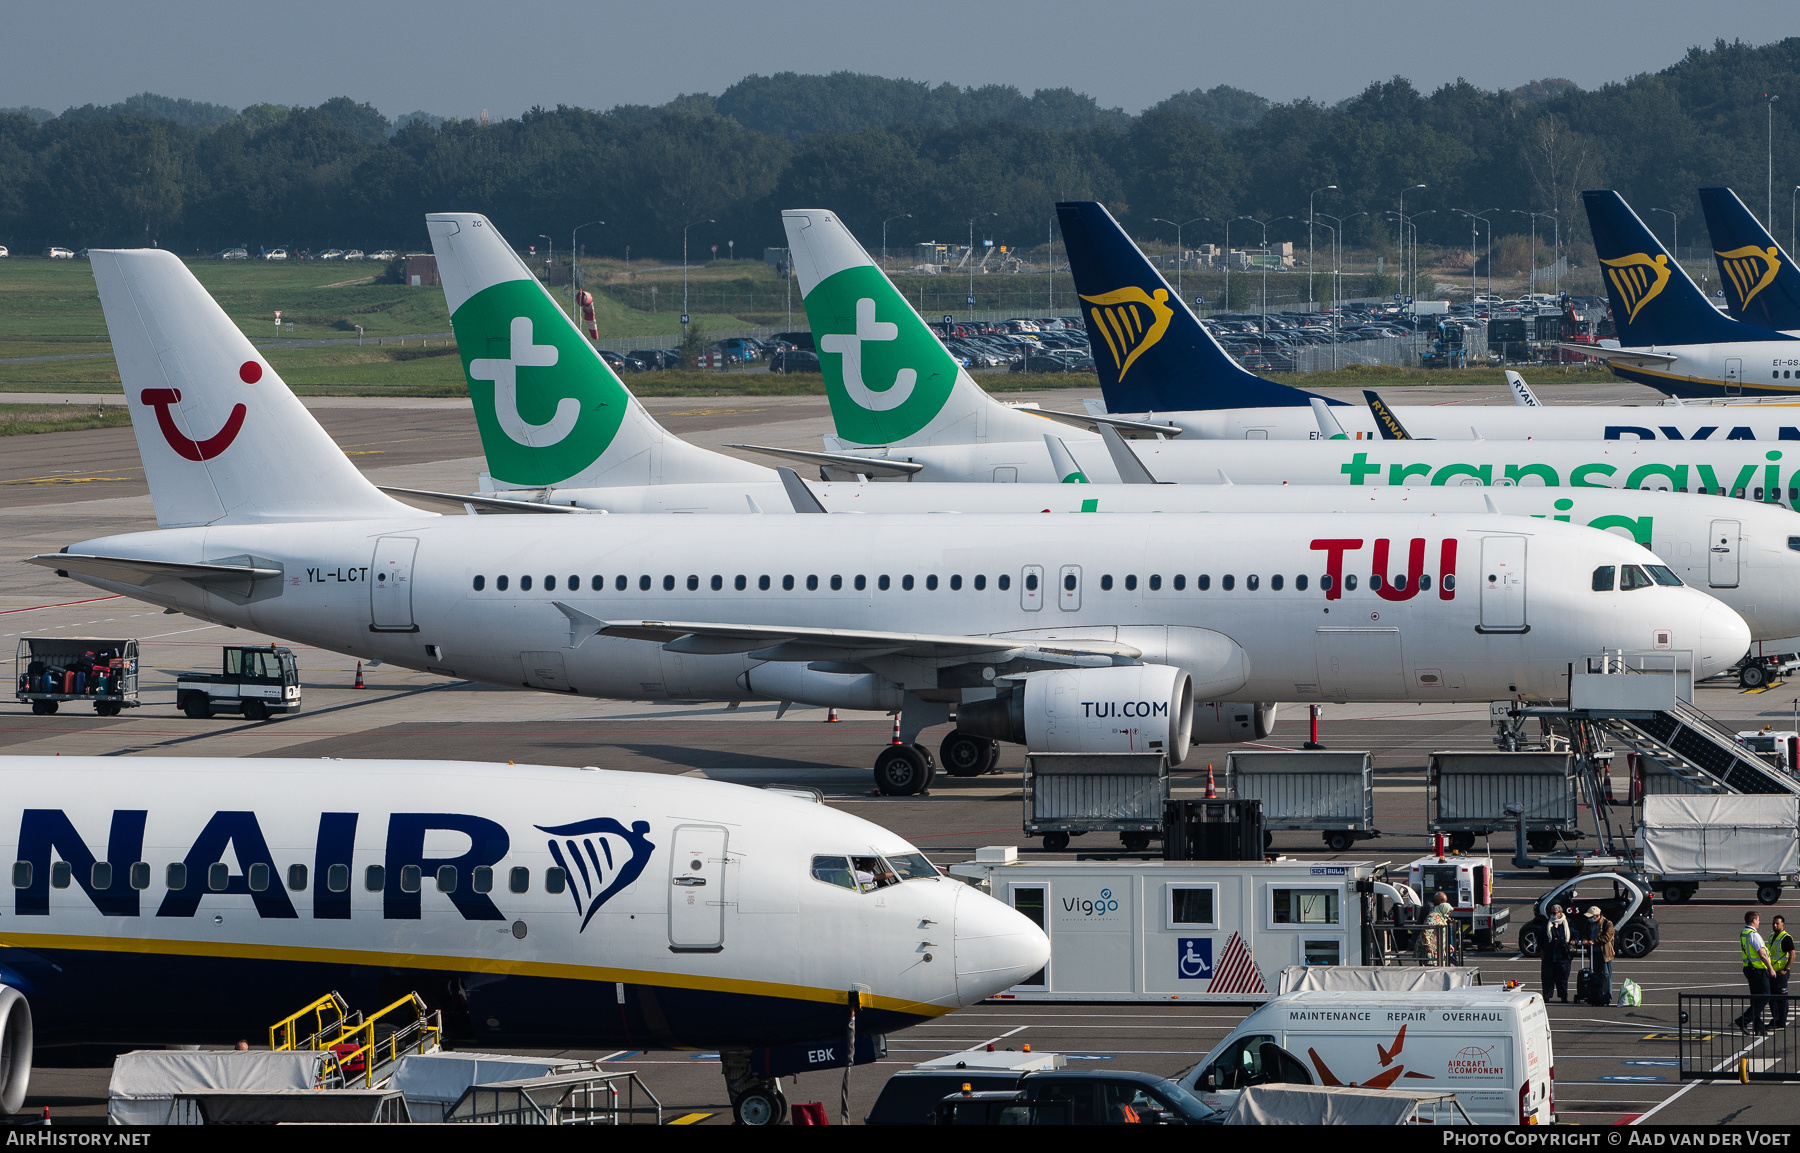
913,866
833,871
1632,577
1794,543
1603,578
1663,575
872,873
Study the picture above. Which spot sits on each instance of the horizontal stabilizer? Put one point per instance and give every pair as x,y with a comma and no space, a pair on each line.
868,465
482,503
1126,427
1625,356
142,573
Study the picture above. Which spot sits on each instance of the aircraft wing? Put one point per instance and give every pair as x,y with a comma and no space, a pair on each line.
484,503
1626,356
849,461
142,573
801,643
1093,422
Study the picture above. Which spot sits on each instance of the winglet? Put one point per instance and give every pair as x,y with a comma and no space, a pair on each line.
1131,468
1385,420
1062,461
1522,394
1329,427
797,490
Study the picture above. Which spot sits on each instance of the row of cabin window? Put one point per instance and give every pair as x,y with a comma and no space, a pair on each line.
337,877
1003,582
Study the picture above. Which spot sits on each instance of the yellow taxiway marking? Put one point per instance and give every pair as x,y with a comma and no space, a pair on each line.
713,412
1764,689
63,479
690,1118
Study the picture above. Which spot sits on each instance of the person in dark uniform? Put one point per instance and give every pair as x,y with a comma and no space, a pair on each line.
1781,953
1558,953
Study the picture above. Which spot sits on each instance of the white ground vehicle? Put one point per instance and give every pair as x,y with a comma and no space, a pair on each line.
276,254
1490,1047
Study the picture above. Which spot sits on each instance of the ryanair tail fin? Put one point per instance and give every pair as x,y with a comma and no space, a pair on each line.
1762,286
1152,354
1653,300
551,413
223,439
888,377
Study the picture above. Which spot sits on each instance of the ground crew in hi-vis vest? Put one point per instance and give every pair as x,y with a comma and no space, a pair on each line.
1781,952
1758,968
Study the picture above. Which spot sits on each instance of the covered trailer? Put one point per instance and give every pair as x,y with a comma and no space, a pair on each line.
1068,794
1329,791
1132,930
1686,839
1469,793
50,670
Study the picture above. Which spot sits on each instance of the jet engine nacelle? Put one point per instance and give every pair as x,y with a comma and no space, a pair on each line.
1122,709
15,1049
1226,722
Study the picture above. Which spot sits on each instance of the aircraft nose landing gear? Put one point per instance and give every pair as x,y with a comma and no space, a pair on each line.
754,1100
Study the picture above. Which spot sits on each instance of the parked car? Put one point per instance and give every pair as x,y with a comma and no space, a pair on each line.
4,253
332,254
60,253
740,349
1064,1097
795,360
620,363
1622,898
276,254
386,254
1040,364
354,254
235,254
653,358
800,340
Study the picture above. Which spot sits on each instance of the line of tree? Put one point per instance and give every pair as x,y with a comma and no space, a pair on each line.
195,177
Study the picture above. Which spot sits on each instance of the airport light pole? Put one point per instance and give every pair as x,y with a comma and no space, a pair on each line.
1265,270
1772,100
549,252
1675,232
1413,287
684,270
1309,239
1334,242
969,302
1531,279
572,251
1403,220
884,224
1179,250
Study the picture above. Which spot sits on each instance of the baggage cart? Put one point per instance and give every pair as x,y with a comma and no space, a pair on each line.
1330,791
1714,837
1068,794
1469,793
50,670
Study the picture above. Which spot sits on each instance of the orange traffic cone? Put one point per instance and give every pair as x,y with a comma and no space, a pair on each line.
359,680
1212,794
831,717
896,739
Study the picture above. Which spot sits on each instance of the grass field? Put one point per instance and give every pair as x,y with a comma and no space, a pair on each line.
25,419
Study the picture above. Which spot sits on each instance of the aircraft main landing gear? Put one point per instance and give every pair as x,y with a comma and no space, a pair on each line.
965,755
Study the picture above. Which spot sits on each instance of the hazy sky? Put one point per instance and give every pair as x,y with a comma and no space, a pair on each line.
457,57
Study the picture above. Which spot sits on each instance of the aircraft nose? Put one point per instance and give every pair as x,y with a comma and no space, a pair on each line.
1724,639
996,946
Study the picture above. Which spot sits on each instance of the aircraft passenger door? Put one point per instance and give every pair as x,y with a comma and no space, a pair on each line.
390,585
1033,901
1031,587
1734,375
1722,555
1503,585
1069,595
697,889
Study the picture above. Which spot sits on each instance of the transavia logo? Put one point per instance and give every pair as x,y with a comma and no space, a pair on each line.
885,372
186,446
601,857
505,375
1131,321
1749,270
1638,279
546,404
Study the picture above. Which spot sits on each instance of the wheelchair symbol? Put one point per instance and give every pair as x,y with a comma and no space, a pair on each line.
1194,958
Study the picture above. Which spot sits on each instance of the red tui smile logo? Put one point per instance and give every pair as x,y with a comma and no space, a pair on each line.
198,450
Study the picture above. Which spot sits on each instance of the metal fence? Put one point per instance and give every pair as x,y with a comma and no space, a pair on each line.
1398,351
1714,1046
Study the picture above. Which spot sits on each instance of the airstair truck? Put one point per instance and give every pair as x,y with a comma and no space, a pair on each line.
1135,930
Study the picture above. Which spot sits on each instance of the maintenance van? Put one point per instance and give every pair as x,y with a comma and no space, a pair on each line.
1489,1046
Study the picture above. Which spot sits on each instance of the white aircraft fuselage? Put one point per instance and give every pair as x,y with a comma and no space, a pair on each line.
1495,422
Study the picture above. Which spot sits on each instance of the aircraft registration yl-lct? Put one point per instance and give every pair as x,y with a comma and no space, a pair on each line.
1743,553
837,277
1033,628
198,900
1158,364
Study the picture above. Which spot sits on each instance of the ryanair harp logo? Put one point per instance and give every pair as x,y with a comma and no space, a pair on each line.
1131,321
1749,270
1638,279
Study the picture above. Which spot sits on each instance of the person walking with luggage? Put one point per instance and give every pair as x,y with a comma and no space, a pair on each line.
1558,951
1602,938
1781,952
1758,965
